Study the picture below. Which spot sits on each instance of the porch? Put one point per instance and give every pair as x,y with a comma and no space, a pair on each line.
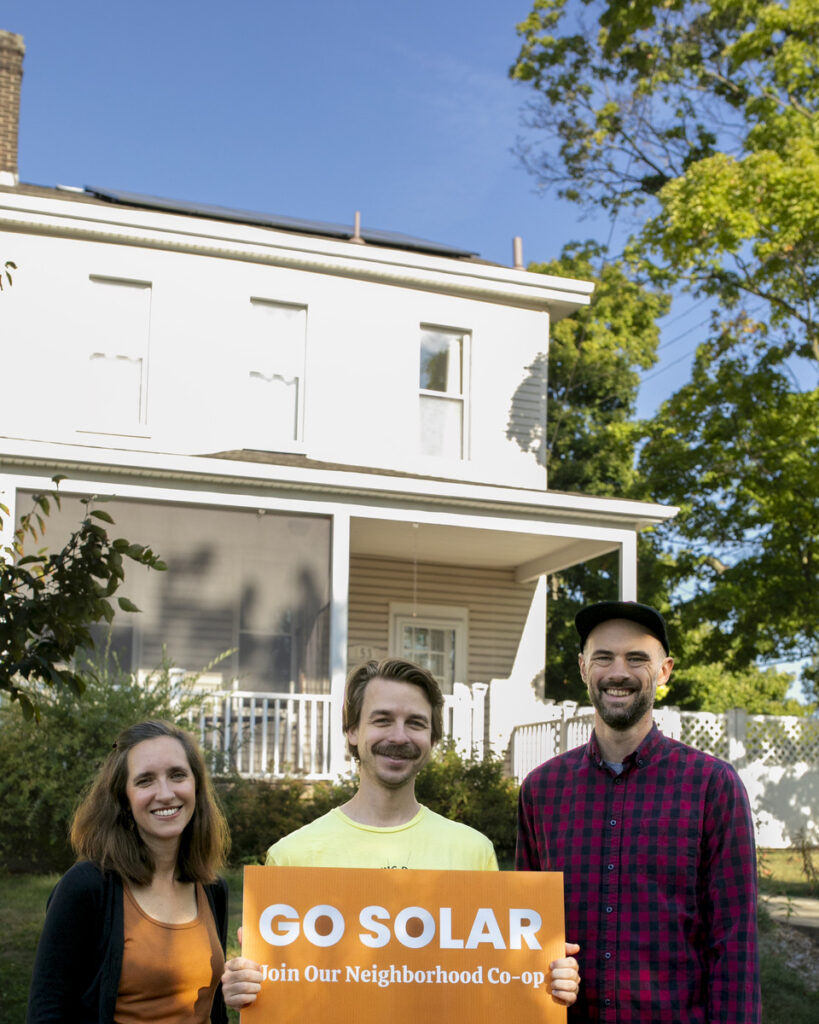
270,735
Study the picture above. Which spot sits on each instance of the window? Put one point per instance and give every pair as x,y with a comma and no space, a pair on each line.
443,372
274,399
254,584
432,636
117,373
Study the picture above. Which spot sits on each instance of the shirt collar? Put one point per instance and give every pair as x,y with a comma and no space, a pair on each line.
650,747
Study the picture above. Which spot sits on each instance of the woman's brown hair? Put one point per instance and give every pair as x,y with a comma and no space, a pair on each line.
103,829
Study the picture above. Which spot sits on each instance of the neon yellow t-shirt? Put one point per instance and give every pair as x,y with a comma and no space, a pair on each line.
429,841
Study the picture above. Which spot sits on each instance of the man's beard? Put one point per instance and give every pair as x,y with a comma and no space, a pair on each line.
623,718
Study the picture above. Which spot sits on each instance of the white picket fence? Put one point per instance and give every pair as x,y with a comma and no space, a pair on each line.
777,757
270,735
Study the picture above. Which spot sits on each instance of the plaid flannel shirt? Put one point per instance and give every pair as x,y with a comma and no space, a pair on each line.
660,881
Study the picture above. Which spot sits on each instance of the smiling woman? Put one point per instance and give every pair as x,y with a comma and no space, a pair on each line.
136,929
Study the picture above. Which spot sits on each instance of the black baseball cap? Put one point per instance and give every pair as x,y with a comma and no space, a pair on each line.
593,614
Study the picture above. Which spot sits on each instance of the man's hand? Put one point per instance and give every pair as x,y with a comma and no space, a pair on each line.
564,977
241,981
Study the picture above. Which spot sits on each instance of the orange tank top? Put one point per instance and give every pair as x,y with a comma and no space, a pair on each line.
169,971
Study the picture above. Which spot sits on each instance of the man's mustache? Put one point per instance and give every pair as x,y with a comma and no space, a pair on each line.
406,751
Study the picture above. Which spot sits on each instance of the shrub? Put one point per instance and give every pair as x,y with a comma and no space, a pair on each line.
259,813
46,765
469,790
475,792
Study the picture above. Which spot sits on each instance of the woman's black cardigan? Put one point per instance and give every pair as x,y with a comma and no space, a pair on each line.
79,958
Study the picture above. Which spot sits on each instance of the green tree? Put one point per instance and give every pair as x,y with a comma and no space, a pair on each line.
594,363
699,122
49,600
717,688
592,375
737,449
704,117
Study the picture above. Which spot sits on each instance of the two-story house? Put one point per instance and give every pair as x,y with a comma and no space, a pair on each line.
315,426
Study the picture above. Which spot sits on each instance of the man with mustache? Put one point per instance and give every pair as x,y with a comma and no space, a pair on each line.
656,843
393,717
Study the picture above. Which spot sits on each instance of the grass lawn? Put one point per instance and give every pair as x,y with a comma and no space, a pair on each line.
23,899
781,873
786,997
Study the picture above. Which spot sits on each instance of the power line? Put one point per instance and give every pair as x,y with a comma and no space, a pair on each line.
688,310
685,333
668,366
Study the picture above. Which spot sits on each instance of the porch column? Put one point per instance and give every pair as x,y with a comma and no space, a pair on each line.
513,701
628,567
339,612
8,497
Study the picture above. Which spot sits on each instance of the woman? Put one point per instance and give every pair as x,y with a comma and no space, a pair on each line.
136,930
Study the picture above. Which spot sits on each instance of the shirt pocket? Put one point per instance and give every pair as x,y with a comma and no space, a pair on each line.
666,857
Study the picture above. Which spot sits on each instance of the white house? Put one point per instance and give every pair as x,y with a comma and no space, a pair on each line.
333,437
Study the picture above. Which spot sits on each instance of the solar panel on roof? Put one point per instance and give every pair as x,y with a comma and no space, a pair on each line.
391,239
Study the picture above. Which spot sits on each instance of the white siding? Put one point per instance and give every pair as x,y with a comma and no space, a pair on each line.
497,609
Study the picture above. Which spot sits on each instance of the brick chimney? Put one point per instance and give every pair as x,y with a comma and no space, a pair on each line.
11,75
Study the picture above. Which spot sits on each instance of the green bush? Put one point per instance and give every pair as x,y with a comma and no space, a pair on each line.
475,792
472,791
46,765
260,812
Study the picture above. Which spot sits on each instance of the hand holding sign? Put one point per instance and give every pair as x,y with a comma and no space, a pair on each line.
465,942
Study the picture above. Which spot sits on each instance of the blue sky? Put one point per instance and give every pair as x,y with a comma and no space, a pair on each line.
403,110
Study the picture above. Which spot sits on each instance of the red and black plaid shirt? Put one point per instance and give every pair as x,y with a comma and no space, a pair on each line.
660,881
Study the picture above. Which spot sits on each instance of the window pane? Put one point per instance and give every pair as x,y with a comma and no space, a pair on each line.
271,407
441,427
433,649
115,386
442,362
117,329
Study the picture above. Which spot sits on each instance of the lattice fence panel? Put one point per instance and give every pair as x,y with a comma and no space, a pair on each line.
706,732
778,740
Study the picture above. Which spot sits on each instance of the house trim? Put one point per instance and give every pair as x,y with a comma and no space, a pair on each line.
62,218
400,492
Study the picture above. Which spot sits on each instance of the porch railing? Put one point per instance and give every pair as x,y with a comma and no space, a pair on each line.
268,735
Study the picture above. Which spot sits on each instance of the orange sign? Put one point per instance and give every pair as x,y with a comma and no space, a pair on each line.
365,945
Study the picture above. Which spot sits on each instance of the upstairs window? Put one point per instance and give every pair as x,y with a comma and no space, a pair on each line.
118,332
443,373
274,396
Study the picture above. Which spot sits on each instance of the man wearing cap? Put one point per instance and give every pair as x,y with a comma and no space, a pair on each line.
655,841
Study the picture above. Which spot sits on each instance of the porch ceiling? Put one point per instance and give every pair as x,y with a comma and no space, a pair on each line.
528,554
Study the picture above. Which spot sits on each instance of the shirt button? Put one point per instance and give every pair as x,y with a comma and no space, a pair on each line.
608,956
613,821
610,867
607,1002
609,910
640,763
617,781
